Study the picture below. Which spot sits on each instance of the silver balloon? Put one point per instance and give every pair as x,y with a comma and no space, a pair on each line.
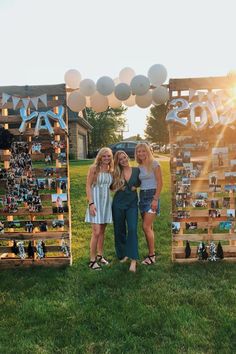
214,119
105,85
178,105
140,85
202,119
43,123
157,74
58,117
122,91
26,119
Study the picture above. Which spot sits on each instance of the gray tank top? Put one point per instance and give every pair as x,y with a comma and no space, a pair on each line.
148,179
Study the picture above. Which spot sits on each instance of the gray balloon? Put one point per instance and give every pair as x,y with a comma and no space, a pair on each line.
122,91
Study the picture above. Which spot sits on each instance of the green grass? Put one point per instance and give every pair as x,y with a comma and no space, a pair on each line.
167,308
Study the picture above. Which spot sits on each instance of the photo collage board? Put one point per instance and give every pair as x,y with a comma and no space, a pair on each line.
203,175
35,225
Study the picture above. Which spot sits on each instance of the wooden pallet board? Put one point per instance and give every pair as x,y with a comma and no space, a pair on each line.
189,146
54,236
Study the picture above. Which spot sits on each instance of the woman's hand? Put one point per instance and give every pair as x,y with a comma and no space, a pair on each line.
154,205
92,210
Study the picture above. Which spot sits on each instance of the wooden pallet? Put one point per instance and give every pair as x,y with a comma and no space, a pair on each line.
208,222
53,237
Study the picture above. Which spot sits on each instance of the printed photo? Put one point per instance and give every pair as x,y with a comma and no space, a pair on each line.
191,225
233,165
62,183
199,203
59,203
226,202
230,214
201,195
213,179
186,156
225,225
215,188
214,213
175,227
230,188
220,157
41,183
188,166
183,214
230,177
214,203
186,181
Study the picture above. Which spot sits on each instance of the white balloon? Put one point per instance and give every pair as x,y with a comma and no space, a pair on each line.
72,78
87,87
160,95
99,103
157,74
126,75
76,102
116,81
105,85
140,84
122,91
88,103
113,101
145,100
130,101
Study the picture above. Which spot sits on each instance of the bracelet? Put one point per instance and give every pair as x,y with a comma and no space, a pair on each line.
91,204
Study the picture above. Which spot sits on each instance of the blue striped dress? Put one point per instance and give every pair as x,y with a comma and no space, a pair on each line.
102,200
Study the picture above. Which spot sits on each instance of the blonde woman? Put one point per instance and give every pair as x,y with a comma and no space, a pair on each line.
125,209
99,212
150,189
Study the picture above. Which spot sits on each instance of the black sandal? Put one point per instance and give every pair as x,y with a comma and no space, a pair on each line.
102,260
94,266
149,260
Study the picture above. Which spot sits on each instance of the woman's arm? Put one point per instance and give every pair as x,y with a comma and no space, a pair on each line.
158,176
89,183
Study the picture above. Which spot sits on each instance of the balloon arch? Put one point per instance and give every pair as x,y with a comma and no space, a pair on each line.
128,89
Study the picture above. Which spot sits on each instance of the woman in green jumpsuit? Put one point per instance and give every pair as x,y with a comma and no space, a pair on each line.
125,209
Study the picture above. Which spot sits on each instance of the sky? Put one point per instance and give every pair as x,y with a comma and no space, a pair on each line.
42,39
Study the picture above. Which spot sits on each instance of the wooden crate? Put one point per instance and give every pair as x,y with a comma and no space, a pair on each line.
208,218
58,221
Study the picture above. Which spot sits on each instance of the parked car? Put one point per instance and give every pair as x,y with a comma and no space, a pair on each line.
126,146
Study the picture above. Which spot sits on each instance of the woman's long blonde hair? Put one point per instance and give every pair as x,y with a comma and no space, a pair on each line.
98,161
118,177
150,157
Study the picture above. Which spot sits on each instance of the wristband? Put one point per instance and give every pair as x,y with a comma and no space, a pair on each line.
91,204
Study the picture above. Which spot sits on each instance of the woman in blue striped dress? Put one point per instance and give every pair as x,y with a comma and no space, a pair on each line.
99,212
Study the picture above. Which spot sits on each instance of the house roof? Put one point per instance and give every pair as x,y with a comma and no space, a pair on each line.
28,90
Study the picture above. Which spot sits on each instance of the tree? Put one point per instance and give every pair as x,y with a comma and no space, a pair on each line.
106,126
156,127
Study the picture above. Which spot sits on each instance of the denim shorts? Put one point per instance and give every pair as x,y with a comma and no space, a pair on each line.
145,200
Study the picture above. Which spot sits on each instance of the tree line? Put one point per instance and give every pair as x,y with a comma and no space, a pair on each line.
108,126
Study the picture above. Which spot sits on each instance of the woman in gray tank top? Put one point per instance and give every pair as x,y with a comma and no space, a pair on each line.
150,189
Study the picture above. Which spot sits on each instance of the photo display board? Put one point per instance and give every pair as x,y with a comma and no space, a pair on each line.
35,221
202,125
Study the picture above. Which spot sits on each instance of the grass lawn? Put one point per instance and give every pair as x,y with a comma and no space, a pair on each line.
166,308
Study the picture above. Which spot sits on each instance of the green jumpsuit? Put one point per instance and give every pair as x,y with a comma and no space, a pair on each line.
125,217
